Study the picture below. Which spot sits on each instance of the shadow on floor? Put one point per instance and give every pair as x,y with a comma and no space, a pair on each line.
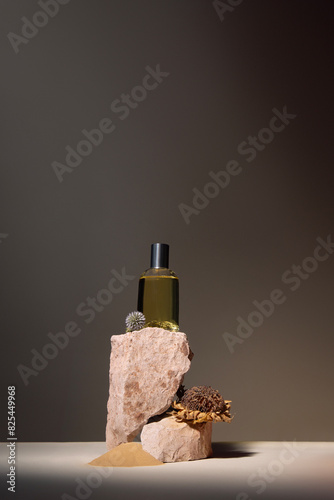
230,450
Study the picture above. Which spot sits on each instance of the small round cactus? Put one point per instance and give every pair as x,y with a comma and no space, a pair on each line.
135,321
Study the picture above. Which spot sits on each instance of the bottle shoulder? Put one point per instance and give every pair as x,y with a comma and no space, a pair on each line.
158,271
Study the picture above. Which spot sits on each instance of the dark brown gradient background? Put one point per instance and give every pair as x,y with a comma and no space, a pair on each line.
225,77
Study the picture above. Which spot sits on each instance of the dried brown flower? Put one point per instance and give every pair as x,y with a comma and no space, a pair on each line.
202,404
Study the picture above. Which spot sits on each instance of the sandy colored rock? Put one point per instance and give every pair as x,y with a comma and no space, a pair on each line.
172,441
146,369
126,455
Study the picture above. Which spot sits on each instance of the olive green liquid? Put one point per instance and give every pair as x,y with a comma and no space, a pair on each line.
158,300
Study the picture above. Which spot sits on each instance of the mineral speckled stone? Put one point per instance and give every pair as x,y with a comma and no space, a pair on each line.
146,369
172,441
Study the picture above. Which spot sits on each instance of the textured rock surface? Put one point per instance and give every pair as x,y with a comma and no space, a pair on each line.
172,441
146,369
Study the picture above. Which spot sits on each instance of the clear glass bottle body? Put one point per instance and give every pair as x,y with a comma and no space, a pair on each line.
158,298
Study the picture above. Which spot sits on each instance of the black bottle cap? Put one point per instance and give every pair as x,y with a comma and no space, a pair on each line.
159,255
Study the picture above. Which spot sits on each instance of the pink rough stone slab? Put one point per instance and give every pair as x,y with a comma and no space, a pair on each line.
172,441
146,369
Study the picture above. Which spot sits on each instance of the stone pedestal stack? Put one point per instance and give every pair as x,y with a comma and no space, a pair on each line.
146,370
